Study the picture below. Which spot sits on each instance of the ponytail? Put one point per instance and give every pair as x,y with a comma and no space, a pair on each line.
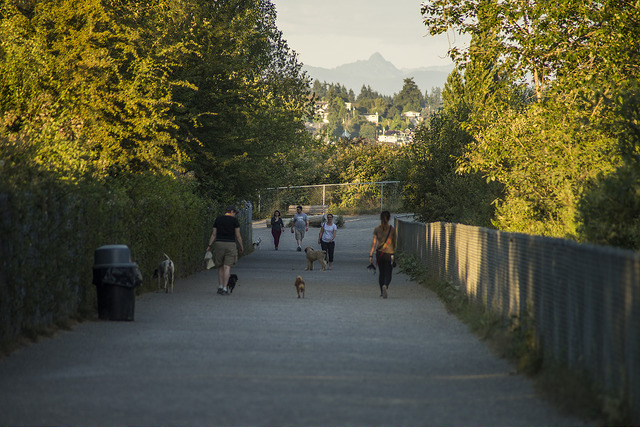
385,216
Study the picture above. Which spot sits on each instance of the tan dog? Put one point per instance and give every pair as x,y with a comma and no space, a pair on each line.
313,255
300,286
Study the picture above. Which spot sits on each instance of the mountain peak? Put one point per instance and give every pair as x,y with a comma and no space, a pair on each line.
378,73
377,57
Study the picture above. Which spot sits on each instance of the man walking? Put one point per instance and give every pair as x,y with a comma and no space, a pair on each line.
225,234
300,225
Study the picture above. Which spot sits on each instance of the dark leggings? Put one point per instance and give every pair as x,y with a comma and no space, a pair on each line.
329,247
385,267
276,236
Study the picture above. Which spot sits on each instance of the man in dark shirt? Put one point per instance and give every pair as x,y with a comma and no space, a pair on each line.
225,234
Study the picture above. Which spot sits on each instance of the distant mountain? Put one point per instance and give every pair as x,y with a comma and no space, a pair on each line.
380,74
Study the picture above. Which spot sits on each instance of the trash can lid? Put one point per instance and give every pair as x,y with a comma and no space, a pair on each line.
116,265
112,254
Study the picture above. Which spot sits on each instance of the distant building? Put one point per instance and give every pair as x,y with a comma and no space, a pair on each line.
396,137
414,117
411,114
373,118
322,110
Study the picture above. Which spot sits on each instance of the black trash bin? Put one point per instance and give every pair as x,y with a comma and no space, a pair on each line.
116,278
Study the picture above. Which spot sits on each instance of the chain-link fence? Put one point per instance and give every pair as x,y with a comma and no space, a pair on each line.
352,198
584,300
245,217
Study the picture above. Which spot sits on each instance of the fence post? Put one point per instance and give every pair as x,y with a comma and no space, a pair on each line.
323,197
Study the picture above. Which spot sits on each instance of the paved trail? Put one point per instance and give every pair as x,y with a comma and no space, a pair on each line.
341,356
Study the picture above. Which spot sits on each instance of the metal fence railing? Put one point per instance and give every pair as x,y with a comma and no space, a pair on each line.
354,197
584,300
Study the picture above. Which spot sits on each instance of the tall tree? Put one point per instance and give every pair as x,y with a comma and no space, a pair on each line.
80,91
432,185
241,112
410,97
157,86
547,154
336,114
531,38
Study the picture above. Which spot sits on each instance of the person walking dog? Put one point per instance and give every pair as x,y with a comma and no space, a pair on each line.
228,242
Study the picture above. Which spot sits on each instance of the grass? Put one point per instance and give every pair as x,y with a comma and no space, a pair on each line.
515,339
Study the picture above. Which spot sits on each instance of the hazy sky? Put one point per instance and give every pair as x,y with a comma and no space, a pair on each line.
328,33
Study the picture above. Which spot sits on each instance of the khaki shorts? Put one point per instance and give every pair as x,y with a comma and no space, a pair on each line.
225,253
299,234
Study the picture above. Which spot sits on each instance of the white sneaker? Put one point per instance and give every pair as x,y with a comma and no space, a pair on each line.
384,292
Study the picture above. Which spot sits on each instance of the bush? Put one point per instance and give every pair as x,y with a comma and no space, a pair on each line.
51,229
610,211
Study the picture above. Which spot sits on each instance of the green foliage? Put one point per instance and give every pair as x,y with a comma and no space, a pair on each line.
432,187
340,162
367,130
432,101
242,113
544,159
369,101
366,93
329,91
541,39
362,162
51,229
336,113
609,211
80,93
409,98
102,89
563,158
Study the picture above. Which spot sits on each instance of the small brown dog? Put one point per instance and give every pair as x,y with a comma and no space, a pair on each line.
300,286
313,256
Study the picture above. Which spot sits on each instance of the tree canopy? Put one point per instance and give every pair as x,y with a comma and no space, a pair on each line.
410,97
552,147
101,88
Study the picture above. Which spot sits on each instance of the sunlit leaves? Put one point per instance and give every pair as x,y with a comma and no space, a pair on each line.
95,97
583,59
99,88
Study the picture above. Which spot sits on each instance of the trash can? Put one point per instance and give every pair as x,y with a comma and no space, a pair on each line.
116,278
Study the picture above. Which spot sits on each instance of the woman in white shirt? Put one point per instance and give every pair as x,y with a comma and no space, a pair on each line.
327,238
